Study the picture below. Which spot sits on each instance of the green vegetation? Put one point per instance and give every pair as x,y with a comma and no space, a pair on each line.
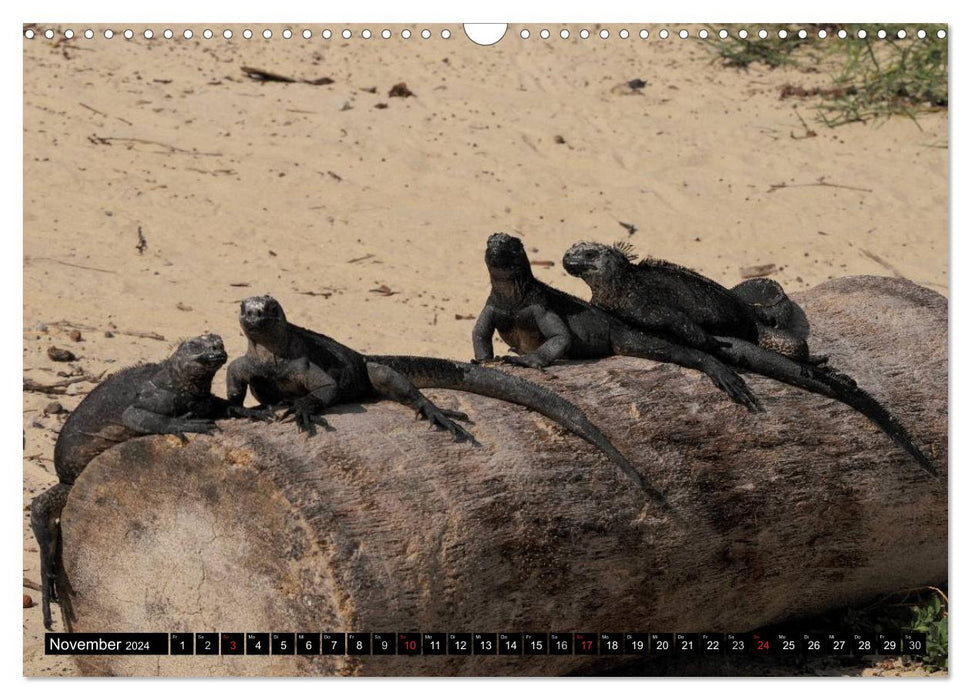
870,78
922,610
930,617
772,51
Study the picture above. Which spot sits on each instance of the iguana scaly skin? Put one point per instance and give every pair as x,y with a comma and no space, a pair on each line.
308,372
169,397
619,288
544,324
665,297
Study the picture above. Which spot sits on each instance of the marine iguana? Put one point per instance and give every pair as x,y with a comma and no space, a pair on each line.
308,372
663,296
169,397
544,324
621,288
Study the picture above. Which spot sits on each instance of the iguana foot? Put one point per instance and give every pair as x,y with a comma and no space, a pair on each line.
306,417
259,414
456,415
443,419
733,385
529,360
180,426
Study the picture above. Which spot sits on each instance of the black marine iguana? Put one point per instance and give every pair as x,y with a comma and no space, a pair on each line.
545,324
619,288
663,296
309,372
169,397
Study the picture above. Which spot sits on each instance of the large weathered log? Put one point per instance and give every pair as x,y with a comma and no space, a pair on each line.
383,525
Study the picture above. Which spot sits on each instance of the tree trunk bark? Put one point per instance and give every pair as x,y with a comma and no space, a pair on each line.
384,525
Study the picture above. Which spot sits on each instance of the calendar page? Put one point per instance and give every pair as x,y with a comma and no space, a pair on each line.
485,350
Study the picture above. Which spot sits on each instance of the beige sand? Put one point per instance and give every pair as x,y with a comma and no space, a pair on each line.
313,194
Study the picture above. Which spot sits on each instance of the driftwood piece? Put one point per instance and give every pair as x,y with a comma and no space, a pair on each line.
383,525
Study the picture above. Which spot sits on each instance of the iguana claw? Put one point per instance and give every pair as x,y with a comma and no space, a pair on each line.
305,417
736,388
258,414
528,360
442,419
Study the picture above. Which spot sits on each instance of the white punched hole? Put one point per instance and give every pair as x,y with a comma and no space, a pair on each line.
148,34
426,34
49,34
702,33
663,33
446,34
783,34
129,34
306,33
941,34
168,34
29,33
267,34
882,34
405,33
683,34
68,33
564,33
841,33
803,34
486,34
722,33
326,34
286,34
861,34
247,33
207,34
822,34
584,33
346,34
187,34
89,34
901,34
643,34
366,34
524,34
544,33
385,33
604,33
108,33
623,33
743,34
763,34
921,34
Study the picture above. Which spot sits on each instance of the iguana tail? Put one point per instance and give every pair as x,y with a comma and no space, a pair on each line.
826,383
434,373
45,514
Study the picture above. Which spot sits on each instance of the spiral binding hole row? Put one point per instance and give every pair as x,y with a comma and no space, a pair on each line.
445,33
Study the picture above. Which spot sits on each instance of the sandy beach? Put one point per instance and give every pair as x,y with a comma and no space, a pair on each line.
366,214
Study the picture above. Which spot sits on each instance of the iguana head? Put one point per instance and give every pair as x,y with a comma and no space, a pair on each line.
261,317
506,253
595,262
198,358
